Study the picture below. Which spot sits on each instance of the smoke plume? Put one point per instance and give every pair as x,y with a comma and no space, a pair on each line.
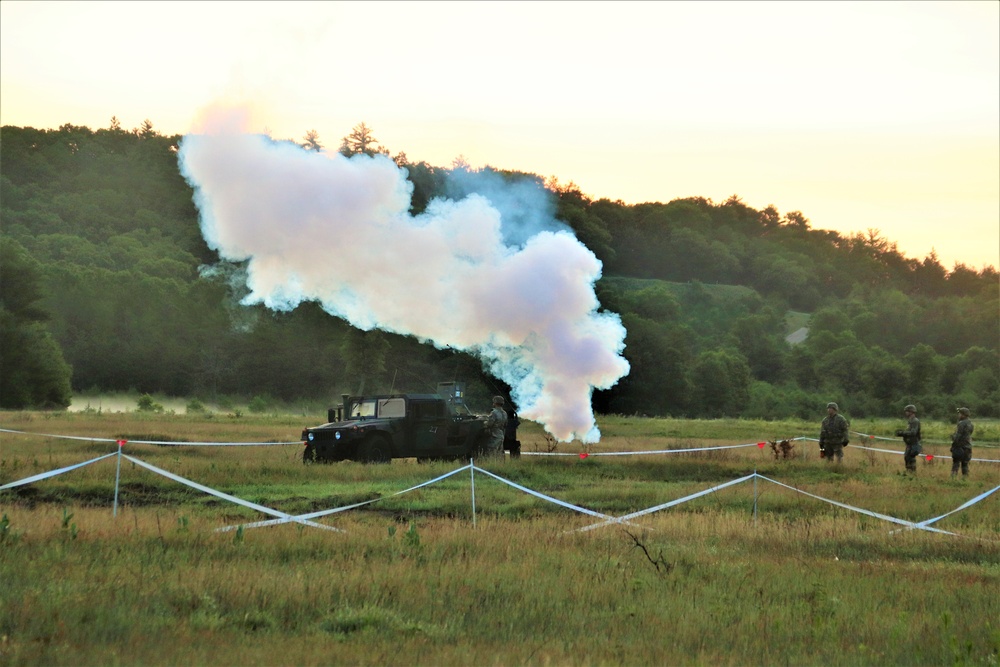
488,272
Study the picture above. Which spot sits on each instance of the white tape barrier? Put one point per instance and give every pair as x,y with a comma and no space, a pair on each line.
884,517
305,518
627,517
50,435
327,512
655,451
53,473
170,443
313,515
933,456
561,503
909,525
926,442
894,451
961,507
226,496
173,443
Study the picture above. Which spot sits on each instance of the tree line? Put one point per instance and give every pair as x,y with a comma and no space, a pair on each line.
107,285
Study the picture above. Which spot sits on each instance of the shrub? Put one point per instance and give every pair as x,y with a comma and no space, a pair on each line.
147,404
258,405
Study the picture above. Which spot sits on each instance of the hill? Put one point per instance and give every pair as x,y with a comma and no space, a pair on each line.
117,280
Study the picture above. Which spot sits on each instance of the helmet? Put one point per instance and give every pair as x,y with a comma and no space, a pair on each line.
910,408
832,405
964,411
498,400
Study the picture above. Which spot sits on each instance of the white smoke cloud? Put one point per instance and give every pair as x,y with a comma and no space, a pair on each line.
321,227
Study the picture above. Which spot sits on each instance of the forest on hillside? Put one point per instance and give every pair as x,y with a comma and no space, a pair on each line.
106,284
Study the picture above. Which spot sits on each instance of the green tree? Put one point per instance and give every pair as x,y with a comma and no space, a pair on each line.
759,338
365,354
33,372
721,384
658,382
575,211
361,141
924,368
885,378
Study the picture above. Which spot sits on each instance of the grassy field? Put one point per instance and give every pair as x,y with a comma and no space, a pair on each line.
752,574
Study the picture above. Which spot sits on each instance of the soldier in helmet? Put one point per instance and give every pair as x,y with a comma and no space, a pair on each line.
496,424
833,434
961,443
911,437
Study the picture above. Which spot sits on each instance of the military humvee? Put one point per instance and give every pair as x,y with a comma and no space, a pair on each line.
375,429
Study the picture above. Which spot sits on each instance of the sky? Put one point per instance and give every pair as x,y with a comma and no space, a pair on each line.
861,115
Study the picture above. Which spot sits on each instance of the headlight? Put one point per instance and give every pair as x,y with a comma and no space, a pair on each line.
337,435
311,436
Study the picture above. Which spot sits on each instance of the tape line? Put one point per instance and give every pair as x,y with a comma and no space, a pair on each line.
65,437
305,518
53,473
212,444
653,451
926,442
561,503
967,504
943,456
650,510
327,512
225,496
884,517
174,443
153,442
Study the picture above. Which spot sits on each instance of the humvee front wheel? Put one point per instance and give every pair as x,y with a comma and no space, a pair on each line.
375,450
309,454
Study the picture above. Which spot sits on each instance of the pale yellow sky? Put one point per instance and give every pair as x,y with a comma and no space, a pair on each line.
860,115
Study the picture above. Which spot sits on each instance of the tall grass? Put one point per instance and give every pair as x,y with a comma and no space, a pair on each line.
413,580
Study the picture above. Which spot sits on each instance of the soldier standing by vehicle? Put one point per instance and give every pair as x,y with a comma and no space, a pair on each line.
911,436
510,441
961,443
833,434
496,424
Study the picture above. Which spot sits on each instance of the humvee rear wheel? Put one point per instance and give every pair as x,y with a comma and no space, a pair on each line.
375,450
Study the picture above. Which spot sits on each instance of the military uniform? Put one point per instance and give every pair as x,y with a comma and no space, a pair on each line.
911,437
833,434
496,424
961,443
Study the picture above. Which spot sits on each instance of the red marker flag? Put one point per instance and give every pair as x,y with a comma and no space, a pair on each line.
121,442
930,456
761,444
584,455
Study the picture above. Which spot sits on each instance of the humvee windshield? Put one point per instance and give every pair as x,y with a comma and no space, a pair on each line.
365,408
392,407
385,407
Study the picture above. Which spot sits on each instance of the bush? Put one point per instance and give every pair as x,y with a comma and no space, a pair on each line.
258,405
146,404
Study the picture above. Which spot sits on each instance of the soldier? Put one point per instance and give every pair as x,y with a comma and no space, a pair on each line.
510,441
961,443
833,434
496,424
911,436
